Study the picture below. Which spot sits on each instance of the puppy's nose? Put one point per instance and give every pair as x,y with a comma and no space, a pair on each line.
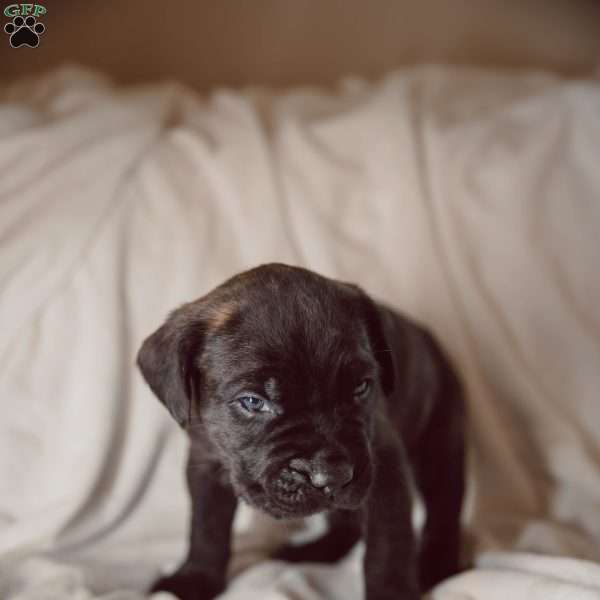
329,472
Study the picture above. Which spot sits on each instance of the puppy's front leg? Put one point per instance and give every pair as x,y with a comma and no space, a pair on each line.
391,554
202,575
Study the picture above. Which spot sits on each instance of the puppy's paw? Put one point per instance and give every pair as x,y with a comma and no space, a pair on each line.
400,591
289,553
324,550
189,584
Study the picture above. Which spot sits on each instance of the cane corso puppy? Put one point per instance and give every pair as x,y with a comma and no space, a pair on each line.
301,395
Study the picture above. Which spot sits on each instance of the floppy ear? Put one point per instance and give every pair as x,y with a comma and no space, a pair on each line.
166,360
374,319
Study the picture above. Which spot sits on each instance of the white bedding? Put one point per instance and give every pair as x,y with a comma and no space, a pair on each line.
468,199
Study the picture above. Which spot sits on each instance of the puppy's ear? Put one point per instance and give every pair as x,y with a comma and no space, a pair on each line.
374,318
166,360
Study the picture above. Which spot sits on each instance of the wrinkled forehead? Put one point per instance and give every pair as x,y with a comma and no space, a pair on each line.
271,335
278,341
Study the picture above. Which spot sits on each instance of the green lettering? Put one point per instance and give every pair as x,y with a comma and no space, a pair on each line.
38,10
12,10
26,9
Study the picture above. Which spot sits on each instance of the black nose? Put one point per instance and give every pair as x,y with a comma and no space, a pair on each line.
329,472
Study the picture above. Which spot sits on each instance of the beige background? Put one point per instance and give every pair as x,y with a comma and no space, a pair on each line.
467,198
284,42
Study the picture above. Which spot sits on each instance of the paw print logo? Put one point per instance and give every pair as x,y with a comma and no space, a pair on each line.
24,32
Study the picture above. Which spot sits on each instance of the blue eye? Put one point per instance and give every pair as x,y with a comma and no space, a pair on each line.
254,404
362,389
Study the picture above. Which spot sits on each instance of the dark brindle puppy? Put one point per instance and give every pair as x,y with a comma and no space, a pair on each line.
301,395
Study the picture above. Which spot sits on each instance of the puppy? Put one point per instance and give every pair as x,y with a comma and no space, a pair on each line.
301,395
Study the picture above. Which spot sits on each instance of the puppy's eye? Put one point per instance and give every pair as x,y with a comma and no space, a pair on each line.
362,389
254,403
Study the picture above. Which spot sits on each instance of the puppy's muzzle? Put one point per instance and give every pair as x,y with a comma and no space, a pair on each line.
325,471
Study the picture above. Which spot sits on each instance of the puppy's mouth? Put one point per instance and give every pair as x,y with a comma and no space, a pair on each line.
284,498
288,495
291,492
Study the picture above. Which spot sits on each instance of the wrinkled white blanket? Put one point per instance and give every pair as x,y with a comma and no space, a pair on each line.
468,199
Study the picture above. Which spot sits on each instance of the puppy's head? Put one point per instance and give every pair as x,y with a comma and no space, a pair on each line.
280,372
